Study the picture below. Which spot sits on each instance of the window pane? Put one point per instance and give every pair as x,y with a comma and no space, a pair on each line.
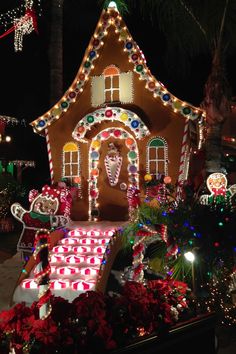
116,95
74,156
152,166
161,167
67,157
67,170
152,153
115,82
160,153
108,96
107,82
74,170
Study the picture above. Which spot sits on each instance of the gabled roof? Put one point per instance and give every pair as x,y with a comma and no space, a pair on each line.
111,17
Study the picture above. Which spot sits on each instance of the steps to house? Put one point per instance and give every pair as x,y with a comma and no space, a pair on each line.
75,262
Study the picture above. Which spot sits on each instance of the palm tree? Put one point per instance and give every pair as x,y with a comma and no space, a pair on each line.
193,28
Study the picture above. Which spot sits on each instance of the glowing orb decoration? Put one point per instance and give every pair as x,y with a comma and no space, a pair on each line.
167,179
82,285
75,259
29,284
147,177
81,249
124,116
67,270
59,284
61,249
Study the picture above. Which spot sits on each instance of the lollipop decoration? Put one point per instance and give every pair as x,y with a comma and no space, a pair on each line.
42,271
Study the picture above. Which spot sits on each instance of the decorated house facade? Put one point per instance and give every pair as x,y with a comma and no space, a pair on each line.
115,124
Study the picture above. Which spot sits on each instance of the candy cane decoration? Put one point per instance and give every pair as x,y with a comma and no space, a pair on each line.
42,271
49,156
182,160
138,255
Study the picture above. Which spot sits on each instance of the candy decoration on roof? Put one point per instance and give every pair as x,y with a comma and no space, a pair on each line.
109,18
42,272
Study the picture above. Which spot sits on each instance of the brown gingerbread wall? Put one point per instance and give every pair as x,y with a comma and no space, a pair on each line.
159,119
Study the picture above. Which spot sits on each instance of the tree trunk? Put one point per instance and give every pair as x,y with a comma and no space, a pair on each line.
217,106
56,51
213,148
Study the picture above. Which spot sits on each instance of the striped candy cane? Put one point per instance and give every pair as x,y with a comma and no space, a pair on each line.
49,156
138,255
182,160
42,272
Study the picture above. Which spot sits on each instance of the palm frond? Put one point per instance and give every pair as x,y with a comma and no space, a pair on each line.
121,5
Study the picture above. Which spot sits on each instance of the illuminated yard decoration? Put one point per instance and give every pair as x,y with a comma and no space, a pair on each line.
128,118
94,156
217,185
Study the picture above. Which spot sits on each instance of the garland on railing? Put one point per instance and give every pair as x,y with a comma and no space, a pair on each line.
42,271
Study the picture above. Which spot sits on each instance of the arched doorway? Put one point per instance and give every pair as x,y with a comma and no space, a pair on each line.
113,167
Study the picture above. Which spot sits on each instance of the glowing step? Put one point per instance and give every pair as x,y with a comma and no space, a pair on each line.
61,249
75,259
70,241
82,285
58,284
67,270
86,249
89,233
29,284
84,241
94,260
82,249
57,258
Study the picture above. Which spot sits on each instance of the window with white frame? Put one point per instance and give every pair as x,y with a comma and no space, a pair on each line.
71,161
112,85
157,157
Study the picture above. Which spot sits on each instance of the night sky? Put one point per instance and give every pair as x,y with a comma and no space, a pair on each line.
24,87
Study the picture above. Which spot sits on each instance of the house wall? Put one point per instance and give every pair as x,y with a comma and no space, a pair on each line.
160,120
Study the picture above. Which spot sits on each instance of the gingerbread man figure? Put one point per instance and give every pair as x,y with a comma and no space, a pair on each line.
48,209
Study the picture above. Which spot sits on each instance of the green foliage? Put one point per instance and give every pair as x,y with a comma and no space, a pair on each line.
121,5
10,192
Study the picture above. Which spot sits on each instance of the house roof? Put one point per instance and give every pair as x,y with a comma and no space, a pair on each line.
111,17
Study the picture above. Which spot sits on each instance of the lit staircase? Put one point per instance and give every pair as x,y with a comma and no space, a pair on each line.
75,263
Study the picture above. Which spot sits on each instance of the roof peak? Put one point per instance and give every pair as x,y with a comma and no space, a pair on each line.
112,5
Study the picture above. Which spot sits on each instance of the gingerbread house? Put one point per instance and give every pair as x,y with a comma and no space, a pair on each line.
115,124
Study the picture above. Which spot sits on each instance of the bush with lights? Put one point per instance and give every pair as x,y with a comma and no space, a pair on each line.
202,228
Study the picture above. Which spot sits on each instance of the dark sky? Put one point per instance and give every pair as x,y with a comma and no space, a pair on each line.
24,88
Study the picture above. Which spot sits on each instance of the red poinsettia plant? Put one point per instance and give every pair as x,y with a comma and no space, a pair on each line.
95,322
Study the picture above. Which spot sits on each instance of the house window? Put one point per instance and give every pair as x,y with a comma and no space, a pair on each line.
112,85
157,157
71,162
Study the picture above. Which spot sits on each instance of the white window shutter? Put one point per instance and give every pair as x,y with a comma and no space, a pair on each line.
126,87
97,91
